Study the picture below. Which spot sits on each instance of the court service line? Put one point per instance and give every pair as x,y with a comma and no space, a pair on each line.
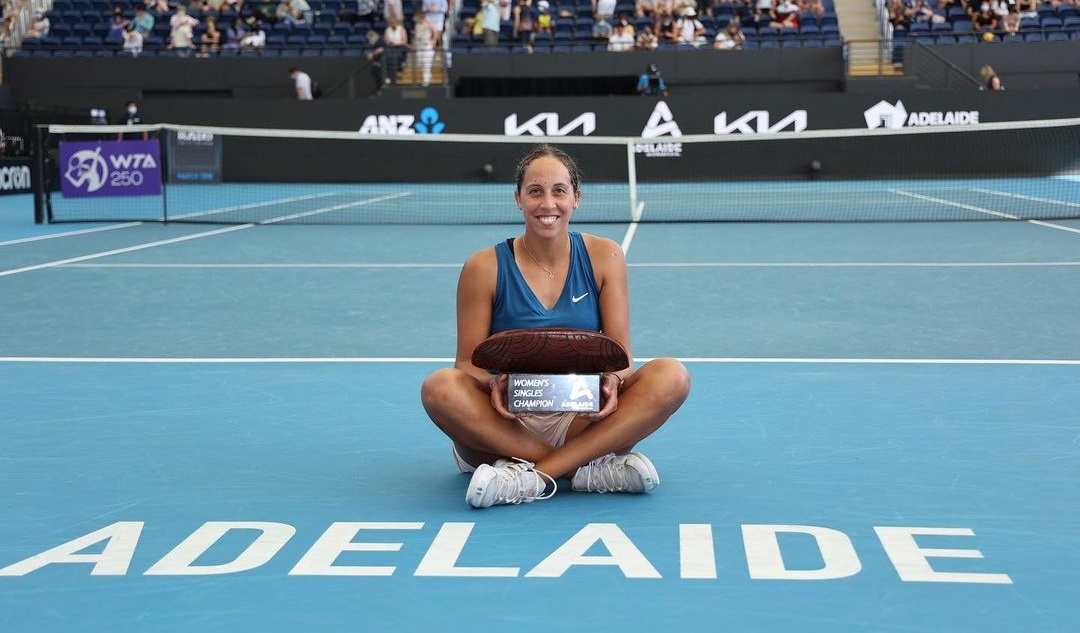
426,359
336,207
1018,196
252,205
127,249
1008,216
50,236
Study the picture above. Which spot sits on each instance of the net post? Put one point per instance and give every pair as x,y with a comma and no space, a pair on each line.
631,178
163,138
37,175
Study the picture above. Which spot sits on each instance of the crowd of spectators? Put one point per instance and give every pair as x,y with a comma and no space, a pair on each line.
202,28
985,20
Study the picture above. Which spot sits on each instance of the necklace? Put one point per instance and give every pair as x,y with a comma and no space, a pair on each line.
550,272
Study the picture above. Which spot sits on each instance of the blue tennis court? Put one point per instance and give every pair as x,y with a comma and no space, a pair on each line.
219,428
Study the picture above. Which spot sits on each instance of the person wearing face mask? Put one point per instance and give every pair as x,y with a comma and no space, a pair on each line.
984,19
132,117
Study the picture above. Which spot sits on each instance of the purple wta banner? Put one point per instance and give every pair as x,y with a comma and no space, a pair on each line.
110,168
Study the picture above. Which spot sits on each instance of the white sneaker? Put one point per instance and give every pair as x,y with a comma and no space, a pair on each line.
632,472
507,481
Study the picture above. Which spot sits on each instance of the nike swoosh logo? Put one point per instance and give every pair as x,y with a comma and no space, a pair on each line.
576,299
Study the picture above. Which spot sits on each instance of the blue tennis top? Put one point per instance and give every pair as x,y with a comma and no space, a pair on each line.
516,306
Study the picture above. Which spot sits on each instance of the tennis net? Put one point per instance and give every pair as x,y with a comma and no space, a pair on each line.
172,173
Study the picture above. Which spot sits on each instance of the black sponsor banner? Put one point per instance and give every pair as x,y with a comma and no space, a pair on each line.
15,175
720,112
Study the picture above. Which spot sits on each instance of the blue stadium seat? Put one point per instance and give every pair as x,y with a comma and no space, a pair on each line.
1057,36
1051,22
72,40
1012,38
1071,22
812,43
967,39
790,43
1034,37
943,27
1075,35
944,39
768,44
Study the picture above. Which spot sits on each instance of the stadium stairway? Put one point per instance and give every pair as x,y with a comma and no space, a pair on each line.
867,52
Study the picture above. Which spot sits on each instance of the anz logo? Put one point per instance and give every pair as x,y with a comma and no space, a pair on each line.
428,122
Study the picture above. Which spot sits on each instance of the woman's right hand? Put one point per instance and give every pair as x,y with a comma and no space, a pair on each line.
498,387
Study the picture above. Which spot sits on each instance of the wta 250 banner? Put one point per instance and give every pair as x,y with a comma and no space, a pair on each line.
110,168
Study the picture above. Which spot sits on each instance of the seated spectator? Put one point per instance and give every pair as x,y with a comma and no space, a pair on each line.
644,8
785,15
680,6
210,39
213,6
117,25
524,24
763,10
143,22
158,7
984,19
1010,24
293,11
691,30
811,7
665,28
132,41
922,12
646,41
255,39
235,34
365,11
602,30
39,26
622,38
731,38
1027,8
603,9
544,22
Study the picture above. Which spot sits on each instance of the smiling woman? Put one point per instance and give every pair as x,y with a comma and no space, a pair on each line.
549,277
